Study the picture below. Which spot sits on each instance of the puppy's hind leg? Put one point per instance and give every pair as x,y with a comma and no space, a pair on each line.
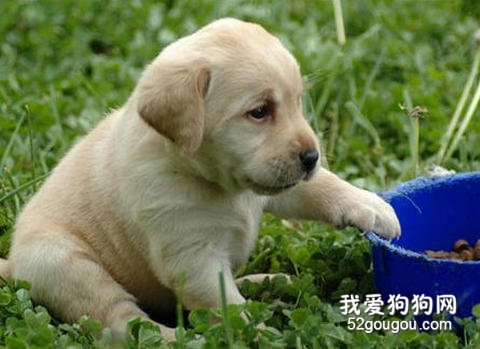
66,277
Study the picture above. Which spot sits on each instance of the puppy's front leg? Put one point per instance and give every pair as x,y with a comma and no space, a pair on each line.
331,199
192,272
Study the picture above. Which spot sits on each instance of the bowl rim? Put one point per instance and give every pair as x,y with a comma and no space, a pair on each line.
404,189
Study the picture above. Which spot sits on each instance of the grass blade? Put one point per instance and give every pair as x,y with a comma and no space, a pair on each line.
19,200
463,126
226,323
373,74
414,135
30,139
10,143
337,9
458,110
361,120
23,187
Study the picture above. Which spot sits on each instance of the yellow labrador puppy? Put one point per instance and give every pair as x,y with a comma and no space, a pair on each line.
168,190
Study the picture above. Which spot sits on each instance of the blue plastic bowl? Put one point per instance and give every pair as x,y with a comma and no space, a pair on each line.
433,214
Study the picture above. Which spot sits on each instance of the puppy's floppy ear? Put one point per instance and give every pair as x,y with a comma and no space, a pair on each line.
171,100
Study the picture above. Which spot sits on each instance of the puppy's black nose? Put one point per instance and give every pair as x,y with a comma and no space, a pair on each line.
309,159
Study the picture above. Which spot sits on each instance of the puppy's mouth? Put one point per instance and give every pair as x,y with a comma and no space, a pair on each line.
270,190
264,189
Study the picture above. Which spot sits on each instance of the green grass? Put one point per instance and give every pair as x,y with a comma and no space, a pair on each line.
65,64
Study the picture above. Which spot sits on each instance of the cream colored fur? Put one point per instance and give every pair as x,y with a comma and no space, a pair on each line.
169,190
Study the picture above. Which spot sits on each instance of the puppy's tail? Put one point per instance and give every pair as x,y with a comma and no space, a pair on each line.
5,270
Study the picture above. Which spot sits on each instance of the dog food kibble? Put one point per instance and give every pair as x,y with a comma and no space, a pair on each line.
476,252
461,251
467,255
460,245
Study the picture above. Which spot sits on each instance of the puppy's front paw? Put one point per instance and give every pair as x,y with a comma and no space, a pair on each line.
370,213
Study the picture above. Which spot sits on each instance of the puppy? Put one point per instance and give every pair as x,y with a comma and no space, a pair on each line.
169,190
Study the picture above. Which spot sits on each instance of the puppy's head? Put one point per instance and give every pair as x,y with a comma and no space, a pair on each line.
230,96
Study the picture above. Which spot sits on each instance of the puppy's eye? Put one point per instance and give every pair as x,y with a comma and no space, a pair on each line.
260,112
